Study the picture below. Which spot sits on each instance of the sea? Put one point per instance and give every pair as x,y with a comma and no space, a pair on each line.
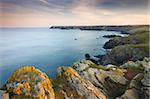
47,49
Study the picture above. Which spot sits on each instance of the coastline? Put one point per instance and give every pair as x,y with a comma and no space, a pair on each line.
121,28
83,66
119,43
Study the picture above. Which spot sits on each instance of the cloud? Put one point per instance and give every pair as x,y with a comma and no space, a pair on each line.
44,1
73,12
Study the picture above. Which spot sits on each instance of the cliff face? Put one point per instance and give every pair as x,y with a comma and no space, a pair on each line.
29,82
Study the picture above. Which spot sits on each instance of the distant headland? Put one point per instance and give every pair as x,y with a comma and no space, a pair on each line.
122,28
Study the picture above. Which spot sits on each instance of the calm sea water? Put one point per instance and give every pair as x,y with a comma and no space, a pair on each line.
46,49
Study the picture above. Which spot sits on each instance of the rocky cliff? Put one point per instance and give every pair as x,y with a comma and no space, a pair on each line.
128,81
131,48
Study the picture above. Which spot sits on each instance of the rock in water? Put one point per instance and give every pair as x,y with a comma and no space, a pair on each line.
29,82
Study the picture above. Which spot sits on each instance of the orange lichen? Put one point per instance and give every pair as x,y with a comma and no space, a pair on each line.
18,90
71,72
25,80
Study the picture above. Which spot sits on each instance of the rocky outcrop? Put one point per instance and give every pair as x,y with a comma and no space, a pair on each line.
146,80
134,89
111,36
131,48
75,87
128,81
120,41
137,36
139,87
121,54
108,81
30,82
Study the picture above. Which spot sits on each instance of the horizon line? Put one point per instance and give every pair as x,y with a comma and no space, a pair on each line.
68,25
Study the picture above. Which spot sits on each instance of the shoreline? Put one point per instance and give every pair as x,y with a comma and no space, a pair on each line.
119,73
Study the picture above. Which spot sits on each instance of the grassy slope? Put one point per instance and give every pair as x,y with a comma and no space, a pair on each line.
142,34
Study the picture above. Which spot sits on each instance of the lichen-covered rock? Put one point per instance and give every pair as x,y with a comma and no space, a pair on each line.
75,87
28,81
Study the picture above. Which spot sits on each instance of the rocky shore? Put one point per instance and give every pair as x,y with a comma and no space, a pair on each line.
133,47
83,80
123,73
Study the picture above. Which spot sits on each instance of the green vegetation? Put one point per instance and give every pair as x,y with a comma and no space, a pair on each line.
134,68
139,30
56,83
144,47
143,37
21,97
141,34
97,66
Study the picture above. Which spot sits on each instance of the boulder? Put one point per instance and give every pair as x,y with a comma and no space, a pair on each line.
28,81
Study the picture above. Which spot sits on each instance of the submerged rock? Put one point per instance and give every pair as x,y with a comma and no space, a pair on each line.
30,82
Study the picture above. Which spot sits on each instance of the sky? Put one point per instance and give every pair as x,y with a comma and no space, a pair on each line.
45,13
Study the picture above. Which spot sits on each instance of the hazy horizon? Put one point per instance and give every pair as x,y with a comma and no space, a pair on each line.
66,25
46,13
